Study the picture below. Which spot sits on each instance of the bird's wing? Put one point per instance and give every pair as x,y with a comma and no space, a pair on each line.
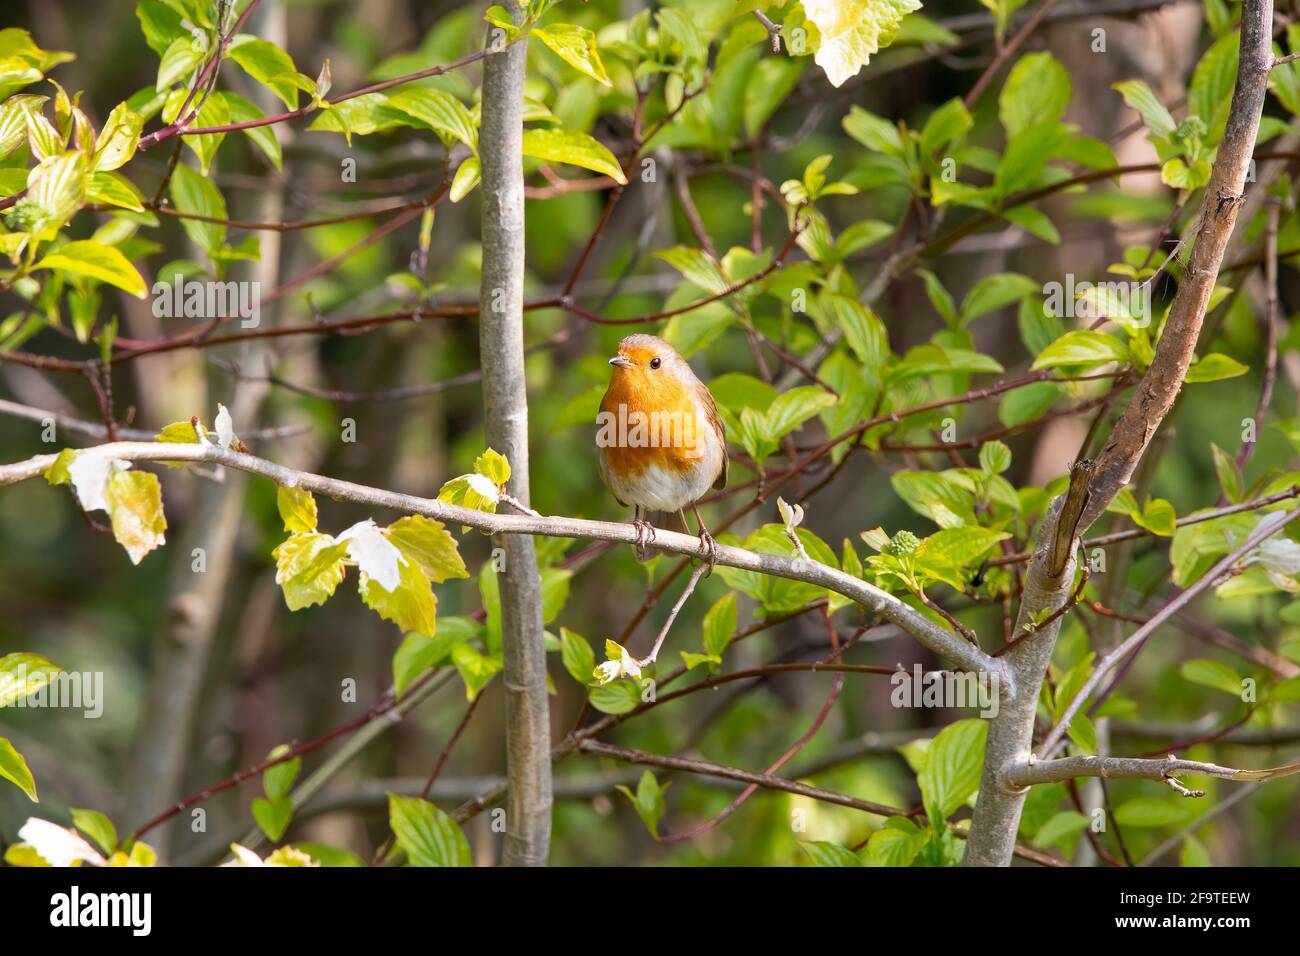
711,410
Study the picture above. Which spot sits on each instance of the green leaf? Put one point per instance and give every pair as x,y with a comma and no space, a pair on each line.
693,661
1140,97
14,769
136,512
23,674
1037,91
105,263
360,116
618,697
273,816
278,780
952,771
117,140
995,457
1158,517
1150,812
493,465
576,46
863,330
1180,175
57,473
214,112
98,827
159,23
939,297
1229,474
696,267
412,605
574,148
418,652
309,566
197,195
1210,673
269,65
467,177
297,506
1060,828
429,836
720,624
1196,546
440,112
115,190
824,853
1214,367
579,659
946,499
1082,348
427,543
182,55
263,137
648,801
995,292
1028,403
945,124
873,132
328,855
475,669
948,554
897,843
791,409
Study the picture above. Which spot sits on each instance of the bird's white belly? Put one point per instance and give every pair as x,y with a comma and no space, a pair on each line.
662,489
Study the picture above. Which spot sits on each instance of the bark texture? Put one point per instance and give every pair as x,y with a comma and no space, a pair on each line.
997,813
505,403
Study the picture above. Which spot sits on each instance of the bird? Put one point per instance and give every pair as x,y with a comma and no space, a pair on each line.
661,444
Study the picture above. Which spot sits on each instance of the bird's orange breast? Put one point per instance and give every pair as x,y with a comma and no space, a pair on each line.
652,425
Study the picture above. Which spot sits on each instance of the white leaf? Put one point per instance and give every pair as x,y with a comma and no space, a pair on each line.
243,856
1280,555
629,666
853,30
225,427
375,555
485,486
607,672
89,473
57,845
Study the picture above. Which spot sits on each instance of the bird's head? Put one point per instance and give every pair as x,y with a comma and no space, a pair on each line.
651,367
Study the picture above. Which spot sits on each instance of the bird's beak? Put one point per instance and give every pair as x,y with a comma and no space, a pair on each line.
619,362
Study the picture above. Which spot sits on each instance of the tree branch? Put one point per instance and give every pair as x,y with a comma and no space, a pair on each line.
1133,768
1268,526
928,633
997,812
505,413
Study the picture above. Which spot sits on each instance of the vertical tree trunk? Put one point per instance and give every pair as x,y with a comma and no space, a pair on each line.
505,401
997,812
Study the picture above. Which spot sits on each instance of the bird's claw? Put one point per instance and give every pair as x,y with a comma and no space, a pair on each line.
645,536
711,551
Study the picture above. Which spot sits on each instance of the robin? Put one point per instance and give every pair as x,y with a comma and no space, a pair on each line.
661,443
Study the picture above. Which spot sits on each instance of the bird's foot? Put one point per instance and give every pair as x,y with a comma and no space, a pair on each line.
645,536
711,548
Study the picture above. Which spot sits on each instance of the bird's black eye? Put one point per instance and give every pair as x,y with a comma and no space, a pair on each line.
656,362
